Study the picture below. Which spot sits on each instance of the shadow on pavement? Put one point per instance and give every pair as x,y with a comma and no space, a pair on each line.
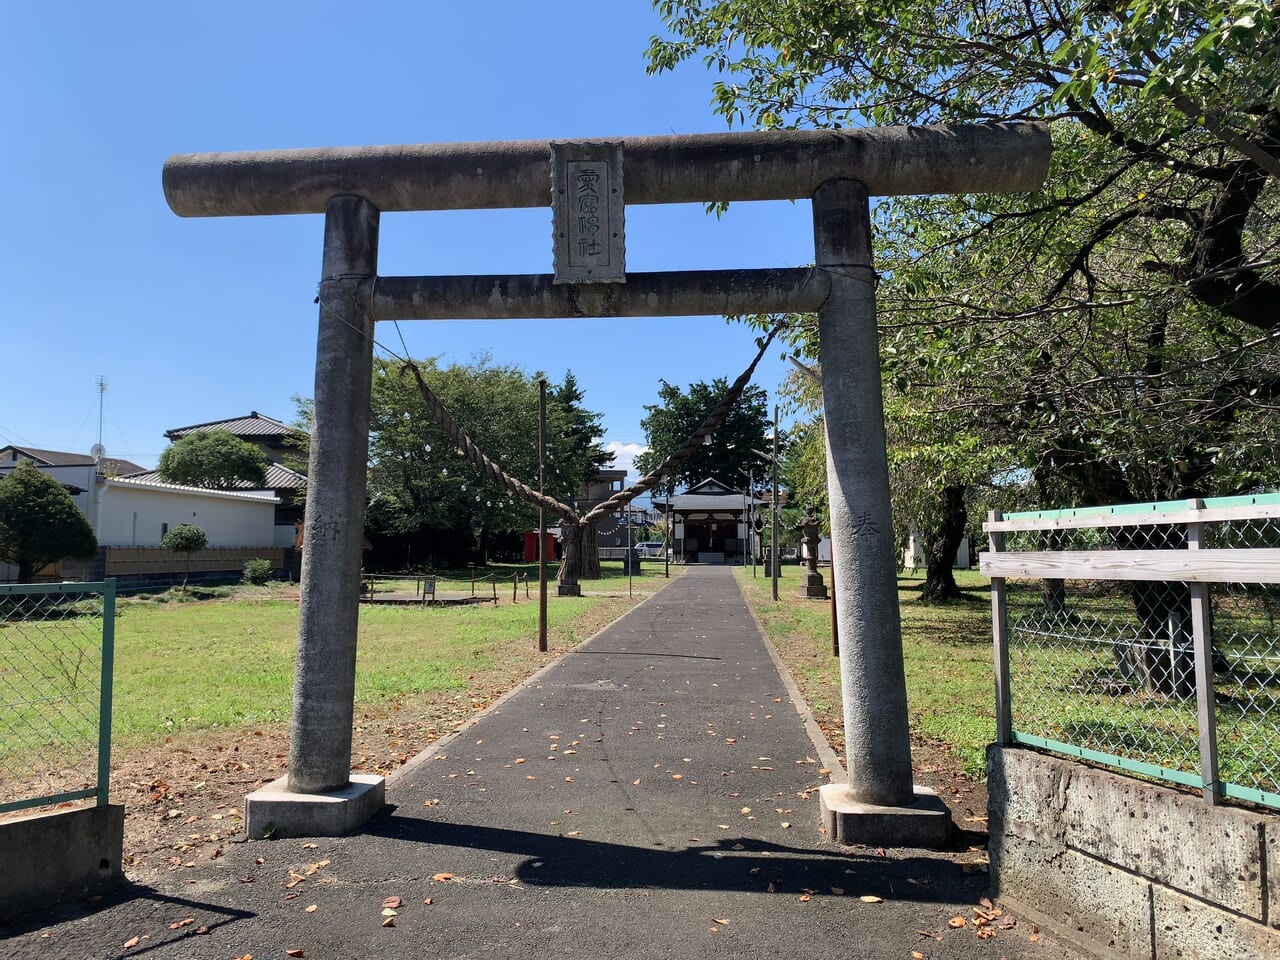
723,863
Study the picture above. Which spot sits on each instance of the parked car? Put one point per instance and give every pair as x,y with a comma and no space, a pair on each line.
651,549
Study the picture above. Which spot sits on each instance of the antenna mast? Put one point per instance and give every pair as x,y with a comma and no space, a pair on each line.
98,449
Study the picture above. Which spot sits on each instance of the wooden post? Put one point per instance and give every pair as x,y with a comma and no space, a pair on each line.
1000,638
1206,701
542,517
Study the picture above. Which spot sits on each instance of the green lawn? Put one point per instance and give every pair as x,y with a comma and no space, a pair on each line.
186,663
946,651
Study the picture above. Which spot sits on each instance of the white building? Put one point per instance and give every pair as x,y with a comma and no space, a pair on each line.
130,513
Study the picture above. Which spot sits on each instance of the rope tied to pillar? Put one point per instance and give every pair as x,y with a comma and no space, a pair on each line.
475,456
709,426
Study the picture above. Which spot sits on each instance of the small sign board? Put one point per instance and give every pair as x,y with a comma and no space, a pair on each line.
587,212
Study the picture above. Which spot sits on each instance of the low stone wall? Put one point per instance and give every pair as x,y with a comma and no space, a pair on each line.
60,856
1126,868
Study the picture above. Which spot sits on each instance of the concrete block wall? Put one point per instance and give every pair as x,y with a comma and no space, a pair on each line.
1126,868
60,856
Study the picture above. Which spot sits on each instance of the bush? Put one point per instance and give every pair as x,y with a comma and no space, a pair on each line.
257,571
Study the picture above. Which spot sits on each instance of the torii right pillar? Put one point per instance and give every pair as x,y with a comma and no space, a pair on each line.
880,805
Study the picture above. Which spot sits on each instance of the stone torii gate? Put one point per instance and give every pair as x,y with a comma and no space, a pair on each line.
583,181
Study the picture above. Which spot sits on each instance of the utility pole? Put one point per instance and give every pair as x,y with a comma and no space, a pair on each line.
542,516
774,554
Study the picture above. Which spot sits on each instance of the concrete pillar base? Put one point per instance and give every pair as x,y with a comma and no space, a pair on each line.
568,590
812,587
275,811
924,823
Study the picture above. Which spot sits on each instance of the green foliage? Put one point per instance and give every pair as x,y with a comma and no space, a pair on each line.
184,538
421,487
39,522
216,459
678,414
257,571
1113,334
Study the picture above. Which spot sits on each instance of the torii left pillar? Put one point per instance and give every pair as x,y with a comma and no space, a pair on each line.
321,796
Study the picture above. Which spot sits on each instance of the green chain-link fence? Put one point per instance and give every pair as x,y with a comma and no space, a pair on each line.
1145,637
56,650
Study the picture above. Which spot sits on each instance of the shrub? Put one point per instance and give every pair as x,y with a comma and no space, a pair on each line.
257,571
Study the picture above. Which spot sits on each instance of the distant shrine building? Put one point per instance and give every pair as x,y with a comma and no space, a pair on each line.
712,523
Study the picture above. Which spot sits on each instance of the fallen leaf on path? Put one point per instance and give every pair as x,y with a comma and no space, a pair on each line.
720,920
308,846
427,901
393,902
312,908
182,923
294,953
442,877
389,922
805,898
132,942
635,783
388,912
869,898
957,922
917,955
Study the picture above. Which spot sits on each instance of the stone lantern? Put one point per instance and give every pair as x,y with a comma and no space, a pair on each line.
811,585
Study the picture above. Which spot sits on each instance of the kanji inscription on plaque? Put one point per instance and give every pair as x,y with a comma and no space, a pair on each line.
587,212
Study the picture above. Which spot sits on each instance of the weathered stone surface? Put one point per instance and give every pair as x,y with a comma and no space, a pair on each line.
1186,929
685,168
1172,838
924,823
56,856
1273,871
1086,900
276,812
1021,785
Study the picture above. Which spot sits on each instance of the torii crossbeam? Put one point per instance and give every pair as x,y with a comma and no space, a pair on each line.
839,170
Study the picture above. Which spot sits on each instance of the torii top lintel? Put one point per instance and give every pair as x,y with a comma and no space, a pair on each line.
763,165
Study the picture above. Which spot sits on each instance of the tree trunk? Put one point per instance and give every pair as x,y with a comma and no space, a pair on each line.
1160,657
941,546
581,553
26,571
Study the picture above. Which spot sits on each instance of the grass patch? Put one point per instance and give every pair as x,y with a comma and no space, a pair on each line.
209,658
946,653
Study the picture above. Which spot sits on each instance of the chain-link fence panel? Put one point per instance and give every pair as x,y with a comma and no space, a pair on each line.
1106,667
1106,670
55,687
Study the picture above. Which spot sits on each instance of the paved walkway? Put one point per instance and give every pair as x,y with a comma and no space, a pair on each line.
650,795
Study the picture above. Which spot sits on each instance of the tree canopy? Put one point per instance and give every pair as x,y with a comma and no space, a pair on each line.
430,502
1115,332
216,459
39,522
678,414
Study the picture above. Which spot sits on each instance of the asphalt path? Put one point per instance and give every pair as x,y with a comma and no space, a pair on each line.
652,794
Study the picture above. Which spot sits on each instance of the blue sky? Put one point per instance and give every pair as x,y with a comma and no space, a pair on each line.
193,320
